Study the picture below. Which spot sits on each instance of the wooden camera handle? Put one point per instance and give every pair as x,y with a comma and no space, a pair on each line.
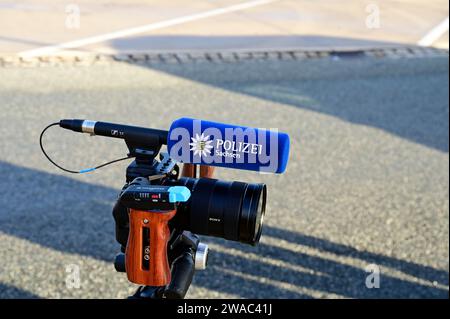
146,259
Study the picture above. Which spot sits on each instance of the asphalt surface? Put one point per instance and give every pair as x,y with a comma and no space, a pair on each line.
367,182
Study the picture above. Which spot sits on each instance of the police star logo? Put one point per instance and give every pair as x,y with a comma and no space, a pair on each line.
201,145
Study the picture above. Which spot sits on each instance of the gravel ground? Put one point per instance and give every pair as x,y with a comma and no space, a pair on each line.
367,182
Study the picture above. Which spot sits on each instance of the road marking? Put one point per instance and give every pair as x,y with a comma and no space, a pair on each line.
434,34
142,29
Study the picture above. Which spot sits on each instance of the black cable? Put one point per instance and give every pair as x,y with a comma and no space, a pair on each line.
68,170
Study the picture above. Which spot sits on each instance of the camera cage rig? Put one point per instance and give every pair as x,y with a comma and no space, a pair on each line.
183,247
169,268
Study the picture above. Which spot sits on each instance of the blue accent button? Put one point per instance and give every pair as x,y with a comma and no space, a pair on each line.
179,194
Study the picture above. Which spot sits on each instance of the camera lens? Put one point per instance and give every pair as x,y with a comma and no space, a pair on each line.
230,210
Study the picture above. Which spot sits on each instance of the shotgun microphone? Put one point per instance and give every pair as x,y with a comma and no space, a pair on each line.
138,139
135,135
226,145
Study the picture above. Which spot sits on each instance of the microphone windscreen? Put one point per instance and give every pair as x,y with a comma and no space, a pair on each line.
225,145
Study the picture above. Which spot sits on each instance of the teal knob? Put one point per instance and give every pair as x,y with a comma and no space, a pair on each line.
179,194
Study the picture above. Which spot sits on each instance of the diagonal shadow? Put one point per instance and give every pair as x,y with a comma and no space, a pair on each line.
337,278
9,292
420,271
405,97
64,214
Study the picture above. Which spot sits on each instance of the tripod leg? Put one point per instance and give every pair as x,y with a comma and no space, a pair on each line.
182,256
182,273
147,292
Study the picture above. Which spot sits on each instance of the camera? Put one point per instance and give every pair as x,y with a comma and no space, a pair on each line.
230,210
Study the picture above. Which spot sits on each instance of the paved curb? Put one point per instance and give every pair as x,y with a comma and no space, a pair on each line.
219,57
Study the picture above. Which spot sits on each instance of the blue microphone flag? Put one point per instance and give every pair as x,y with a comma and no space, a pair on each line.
225,145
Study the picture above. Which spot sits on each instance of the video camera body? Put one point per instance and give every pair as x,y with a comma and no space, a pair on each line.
160,211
